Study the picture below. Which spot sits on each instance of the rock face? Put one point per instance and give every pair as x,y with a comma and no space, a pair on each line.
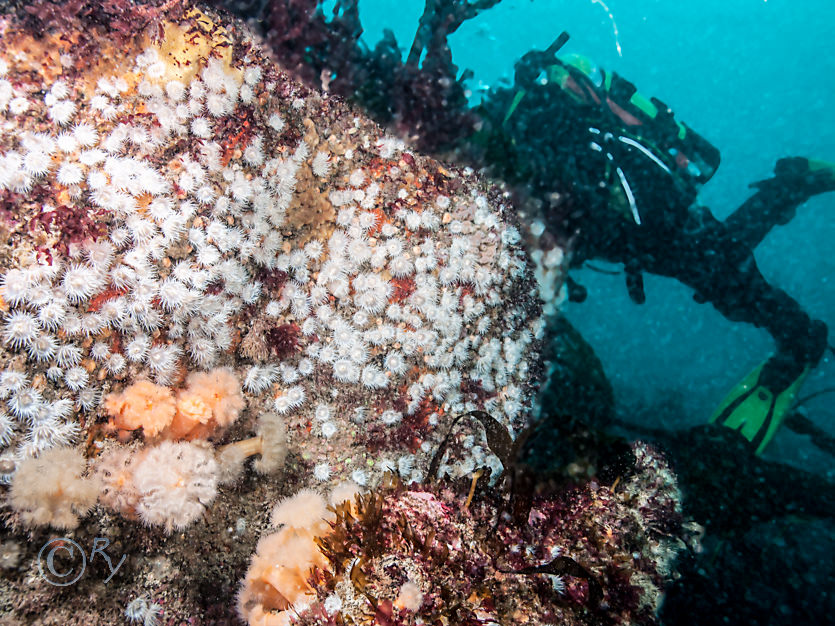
424,554
173,202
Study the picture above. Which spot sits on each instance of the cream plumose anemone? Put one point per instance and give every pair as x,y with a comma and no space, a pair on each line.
50,490
270,443
175,483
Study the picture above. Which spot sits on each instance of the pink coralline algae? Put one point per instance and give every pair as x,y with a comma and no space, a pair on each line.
434,554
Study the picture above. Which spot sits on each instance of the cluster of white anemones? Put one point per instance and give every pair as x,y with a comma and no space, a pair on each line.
187,236
549,263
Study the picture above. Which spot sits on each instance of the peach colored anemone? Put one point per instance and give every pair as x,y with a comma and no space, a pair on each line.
142,405
211,400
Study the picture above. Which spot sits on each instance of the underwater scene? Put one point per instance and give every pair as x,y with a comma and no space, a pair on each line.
416,312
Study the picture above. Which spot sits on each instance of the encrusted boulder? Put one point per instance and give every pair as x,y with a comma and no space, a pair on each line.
172,202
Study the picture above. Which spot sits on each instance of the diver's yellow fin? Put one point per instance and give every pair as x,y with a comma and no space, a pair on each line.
754,410
517,98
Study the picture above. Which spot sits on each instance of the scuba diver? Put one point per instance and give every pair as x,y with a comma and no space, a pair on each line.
626,191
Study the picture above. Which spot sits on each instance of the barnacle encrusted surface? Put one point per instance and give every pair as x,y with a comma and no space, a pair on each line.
177,203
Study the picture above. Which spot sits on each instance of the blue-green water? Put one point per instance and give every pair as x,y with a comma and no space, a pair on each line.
753,77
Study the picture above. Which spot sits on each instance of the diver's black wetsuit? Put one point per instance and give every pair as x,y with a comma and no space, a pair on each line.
547,146
716,259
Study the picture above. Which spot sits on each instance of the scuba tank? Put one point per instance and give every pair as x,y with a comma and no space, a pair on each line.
630,120
619,119
567,126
